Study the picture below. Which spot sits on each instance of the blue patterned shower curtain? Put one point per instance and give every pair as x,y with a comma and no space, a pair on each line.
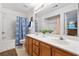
21,29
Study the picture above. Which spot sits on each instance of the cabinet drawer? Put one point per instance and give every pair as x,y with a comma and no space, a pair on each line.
36,49
35,42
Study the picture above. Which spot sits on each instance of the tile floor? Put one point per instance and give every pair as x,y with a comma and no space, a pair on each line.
21,51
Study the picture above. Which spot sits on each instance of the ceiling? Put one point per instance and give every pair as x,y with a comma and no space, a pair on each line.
27,7
50,7
20,7
53,6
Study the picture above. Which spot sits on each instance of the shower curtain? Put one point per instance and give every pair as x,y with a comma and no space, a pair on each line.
21,29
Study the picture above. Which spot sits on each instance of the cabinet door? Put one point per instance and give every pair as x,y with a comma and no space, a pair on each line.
59,52
45,50
36,49
30,46
53,52
26,45
34,54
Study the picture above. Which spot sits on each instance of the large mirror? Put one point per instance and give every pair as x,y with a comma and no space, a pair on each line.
71,23
53,23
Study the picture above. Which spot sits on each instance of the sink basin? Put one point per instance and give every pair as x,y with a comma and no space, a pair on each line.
62,42
47,37
55,39
44,36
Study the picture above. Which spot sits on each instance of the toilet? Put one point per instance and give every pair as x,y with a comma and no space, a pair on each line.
22,41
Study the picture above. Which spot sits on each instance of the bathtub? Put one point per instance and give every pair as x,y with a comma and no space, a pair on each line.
6,45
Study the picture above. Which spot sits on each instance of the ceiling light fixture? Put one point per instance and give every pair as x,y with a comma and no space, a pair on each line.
55,6
25,6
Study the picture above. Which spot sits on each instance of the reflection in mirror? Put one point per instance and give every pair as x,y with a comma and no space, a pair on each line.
53,23
71,23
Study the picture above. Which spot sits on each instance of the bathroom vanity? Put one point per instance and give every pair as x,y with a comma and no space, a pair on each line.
37,45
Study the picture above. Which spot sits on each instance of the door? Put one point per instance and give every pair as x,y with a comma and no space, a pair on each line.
8,26
0,27
0,22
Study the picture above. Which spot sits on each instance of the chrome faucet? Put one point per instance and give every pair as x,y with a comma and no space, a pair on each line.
61,38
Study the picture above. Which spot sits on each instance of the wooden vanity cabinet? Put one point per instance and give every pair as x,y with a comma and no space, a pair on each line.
45,50
72,32
38,48
29,45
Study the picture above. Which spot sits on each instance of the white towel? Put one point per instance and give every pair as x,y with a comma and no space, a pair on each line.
32,28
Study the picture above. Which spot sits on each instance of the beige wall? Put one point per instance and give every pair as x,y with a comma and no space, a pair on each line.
58,24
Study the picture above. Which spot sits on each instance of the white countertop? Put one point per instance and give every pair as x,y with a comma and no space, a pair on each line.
66,44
